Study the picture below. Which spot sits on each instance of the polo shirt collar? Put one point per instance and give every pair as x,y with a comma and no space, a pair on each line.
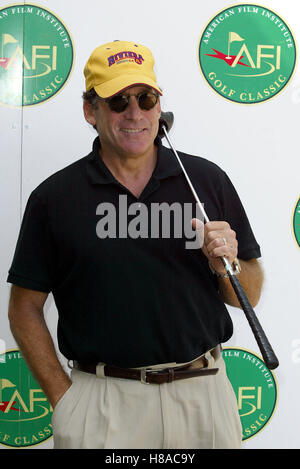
98,173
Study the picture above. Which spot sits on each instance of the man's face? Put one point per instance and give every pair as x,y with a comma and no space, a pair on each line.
128,133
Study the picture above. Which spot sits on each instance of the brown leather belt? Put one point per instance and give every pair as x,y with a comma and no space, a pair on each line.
196,368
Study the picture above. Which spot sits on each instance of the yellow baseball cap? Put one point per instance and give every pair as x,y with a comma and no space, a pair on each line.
116,65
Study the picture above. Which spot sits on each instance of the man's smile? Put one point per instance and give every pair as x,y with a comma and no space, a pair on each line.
132,130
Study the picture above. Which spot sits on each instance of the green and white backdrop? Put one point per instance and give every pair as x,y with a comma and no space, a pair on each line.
229,75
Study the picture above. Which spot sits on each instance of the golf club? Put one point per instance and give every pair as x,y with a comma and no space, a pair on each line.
270,359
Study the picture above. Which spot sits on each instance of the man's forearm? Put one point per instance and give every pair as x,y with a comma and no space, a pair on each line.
33,337
250,278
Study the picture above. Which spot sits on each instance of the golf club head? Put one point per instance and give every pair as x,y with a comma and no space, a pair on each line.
166,119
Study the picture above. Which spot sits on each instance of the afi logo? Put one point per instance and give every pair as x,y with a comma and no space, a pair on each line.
42,61
262,51
15,401
249,402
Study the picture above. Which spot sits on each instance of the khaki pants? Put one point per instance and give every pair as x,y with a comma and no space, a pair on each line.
115,413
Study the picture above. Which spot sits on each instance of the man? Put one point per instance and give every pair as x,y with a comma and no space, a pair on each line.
141,317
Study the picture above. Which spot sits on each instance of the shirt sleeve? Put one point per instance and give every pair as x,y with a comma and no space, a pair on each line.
33,262
235,215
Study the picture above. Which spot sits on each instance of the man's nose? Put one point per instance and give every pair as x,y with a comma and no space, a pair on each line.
133,110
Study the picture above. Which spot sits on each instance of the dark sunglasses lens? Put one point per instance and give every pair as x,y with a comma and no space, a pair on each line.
118,103
147,101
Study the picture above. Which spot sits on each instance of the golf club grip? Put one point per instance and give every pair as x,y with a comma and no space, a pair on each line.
265,347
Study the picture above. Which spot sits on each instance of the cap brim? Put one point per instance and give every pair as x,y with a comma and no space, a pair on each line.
118,84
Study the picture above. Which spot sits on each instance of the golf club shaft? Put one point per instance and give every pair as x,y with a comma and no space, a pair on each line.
264,345
224,260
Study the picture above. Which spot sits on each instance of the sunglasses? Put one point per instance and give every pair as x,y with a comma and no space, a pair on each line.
146,101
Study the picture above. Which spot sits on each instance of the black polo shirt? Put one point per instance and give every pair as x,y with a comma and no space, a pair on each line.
127,301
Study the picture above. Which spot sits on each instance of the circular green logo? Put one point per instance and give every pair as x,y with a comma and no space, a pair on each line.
254,386
25,413
36,55
247,53
296,222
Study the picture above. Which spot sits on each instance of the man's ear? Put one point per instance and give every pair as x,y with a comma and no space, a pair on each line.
89,113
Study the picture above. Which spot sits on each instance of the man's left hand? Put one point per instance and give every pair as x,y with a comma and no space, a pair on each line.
219,240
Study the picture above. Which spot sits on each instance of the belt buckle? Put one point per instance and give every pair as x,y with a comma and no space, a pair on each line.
144,376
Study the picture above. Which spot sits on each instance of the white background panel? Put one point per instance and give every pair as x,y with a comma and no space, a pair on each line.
10,196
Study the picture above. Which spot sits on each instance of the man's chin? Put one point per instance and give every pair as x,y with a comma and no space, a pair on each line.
136,147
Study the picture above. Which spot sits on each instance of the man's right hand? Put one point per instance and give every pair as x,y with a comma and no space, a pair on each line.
31,333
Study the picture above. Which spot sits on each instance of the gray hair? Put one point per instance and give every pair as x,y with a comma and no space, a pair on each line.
91,97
